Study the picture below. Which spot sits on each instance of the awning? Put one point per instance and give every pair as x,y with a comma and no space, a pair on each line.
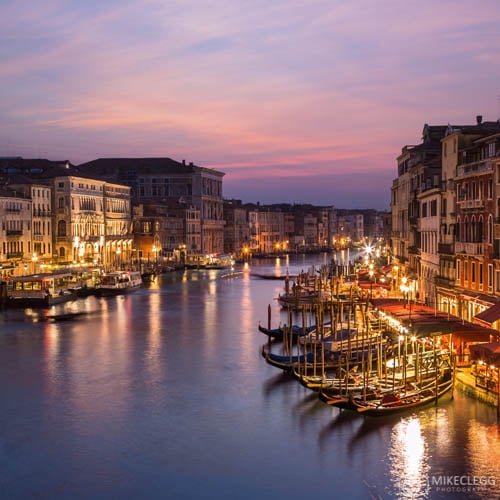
490,315
427,321
490,353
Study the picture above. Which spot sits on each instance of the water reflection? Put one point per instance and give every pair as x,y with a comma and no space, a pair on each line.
164,394
408,459
154,342
483,453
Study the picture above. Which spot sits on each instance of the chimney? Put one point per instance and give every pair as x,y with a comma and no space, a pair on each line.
183,162
479,119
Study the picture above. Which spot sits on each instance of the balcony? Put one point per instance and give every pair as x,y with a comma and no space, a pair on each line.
469,248
445,249
470,204
444,282
479,167
14,232
15,255
414,250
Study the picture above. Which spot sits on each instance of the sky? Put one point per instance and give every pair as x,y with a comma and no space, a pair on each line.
295,101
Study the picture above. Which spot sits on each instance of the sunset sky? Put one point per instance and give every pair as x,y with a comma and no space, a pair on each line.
296,101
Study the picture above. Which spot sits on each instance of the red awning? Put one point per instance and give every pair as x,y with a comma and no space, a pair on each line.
427,321
490,315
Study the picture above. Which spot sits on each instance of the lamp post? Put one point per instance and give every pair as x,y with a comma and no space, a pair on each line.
245,253
395,270
118,257
34,259
371,281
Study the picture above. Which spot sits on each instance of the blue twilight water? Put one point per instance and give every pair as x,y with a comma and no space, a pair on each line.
164,394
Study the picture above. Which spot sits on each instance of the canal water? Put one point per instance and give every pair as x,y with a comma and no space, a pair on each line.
164,394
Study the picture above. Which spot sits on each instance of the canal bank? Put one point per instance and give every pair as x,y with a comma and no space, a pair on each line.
467,383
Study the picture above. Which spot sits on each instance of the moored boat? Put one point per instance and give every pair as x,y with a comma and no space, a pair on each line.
40,290
293,331
119,282
410,397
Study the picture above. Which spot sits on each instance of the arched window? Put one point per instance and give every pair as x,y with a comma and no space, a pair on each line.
480,230
490,229
62,252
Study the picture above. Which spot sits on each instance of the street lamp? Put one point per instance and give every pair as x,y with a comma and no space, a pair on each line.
245,253
118,257
371,280
34,260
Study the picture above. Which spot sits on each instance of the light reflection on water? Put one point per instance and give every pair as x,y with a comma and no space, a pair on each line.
164,394
408,455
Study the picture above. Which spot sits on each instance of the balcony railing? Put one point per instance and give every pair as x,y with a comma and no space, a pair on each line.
444,282
469,248
479,167
14,255
14,232
445,248
465,204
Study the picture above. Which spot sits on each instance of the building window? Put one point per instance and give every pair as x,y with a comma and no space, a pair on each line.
61,228
433,208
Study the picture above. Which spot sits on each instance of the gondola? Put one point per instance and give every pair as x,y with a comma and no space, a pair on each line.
408,398
294,331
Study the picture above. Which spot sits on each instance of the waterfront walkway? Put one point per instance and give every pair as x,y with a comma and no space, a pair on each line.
466,382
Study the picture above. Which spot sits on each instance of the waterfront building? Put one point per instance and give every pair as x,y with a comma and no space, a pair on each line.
266,230
429,226
167,232
41,220
474,247
15,233
466,241
91,222
162,180
236,229
419,169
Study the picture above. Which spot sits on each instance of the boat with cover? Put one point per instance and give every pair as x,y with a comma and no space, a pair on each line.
411,396
319,359
119,282
40,290
293,331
